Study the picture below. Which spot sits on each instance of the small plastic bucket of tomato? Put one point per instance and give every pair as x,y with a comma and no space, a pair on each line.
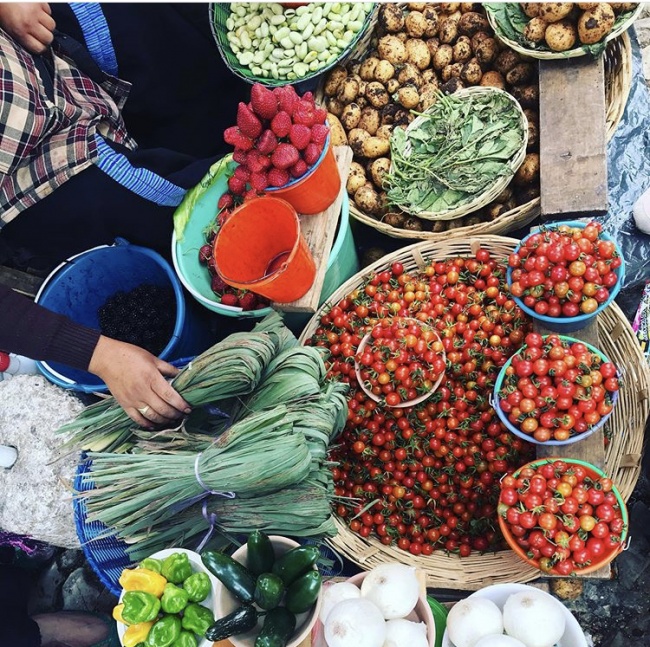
400,362
549,496
565,324
526,434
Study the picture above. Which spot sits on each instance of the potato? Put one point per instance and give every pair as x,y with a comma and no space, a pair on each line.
590,6
335,106
471,72
356,178
527,95
350,116
418,53
415,24
378,168
392,85
438,226
408,96
528,172
388,114
451,71
403,117
595,25
428,96
416,6
535,29
391,49
356,137
448,7
527,193
493,79
561,36
354,65
348,90
469,6
432,45
376,94
367,199
471,23
443,57
413,224
384,70
448,31
367,69
520,74
433,22
391,18
394,219
362,102
505,195
505,61
452,86
334,78
429,76
531,9
462,49
410,74
554,11
370,120
384,131
486,52
337,132
375,147
495,209
532,116
622,7
533,135
479,37
402,36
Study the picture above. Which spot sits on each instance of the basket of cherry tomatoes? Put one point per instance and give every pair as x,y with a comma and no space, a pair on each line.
400,362
563,516
555,390
565,274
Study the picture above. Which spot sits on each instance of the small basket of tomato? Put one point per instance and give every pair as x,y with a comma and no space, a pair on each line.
563,516
400,362
555,390
564,274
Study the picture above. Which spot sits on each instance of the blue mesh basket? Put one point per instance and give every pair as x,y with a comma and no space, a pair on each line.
107,556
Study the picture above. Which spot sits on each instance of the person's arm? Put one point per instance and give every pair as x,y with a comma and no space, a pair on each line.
30,23
135,377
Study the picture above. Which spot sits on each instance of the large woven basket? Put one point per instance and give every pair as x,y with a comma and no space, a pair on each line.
623,455
493,191
218,15
623,23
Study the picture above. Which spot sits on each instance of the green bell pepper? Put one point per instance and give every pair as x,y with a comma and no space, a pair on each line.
139,607
164,632
176,568
186,639
174,599
197,618
151,564
198,587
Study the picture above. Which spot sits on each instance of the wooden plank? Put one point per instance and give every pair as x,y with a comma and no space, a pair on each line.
573,161
22,282
590,449
319,231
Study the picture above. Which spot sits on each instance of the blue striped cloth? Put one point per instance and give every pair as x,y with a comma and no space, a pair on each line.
96,34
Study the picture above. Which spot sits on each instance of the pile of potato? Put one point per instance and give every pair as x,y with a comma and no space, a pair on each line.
417,49
565,25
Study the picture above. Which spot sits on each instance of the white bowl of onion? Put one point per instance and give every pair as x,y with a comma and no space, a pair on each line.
384,607
512,615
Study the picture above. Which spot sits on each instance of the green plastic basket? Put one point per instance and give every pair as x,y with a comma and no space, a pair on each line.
219,13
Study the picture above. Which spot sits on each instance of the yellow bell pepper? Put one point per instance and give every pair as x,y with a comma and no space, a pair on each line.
142,579
117,614
136,634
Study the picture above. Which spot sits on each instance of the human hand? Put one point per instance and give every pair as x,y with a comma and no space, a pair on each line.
136,379
30,23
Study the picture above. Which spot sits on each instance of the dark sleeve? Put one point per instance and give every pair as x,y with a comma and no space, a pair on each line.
29,329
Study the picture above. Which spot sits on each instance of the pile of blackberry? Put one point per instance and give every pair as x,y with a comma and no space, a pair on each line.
144,316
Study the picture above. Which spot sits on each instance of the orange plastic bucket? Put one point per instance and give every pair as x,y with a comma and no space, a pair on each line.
317,189
260,248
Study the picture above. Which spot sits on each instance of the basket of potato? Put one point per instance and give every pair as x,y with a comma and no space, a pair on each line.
548,30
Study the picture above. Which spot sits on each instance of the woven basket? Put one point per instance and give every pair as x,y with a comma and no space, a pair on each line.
623,455
500,183
618,81
219,13
624,23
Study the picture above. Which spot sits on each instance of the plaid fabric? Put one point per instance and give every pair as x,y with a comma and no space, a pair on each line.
43,143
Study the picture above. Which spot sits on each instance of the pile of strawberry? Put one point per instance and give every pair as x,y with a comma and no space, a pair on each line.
279,136
564,271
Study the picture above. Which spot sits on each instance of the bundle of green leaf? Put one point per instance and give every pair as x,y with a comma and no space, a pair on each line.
454,152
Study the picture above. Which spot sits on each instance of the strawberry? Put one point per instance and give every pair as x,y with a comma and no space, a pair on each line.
248,123
217,284
267,142
319,133
236,185
259,181
221,218
278,177
303,114
236,138
248,301
205,254
308,96
287,98
299,136
311,154
230,135
320,116
265,161
281,124
242,173
254,161
250,194
239,156
263,101
299,168
284,156
225,201
229,299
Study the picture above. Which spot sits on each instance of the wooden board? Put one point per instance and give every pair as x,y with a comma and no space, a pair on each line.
319,231
572,115
22,282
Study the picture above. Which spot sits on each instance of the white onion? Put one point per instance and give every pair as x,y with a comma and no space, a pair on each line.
404,633
394,588
471,619
499,640
355,623
534,617
334,594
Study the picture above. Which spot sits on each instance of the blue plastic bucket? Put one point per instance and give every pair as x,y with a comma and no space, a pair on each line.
83,283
